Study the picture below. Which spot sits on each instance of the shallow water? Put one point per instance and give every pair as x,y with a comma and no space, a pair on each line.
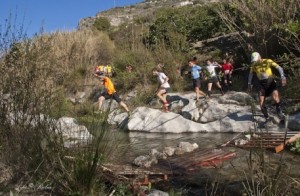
140,143
229,174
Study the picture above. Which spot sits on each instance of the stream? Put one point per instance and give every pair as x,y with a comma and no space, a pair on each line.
227,177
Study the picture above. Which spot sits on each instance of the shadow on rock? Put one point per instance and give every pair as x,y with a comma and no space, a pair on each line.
237,117
176,98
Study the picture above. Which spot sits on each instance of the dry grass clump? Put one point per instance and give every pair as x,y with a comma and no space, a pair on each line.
32,88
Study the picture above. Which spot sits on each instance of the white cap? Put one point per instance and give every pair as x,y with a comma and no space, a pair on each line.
255,56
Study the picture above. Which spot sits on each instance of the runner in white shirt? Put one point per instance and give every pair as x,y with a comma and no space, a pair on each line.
212,76
163,87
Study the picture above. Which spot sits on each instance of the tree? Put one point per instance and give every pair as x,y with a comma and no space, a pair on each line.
175,27
101,24
269,24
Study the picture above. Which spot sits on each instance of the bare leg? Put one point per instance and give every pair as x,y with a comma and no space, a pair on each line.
199,93
220,87
123,105
100,102
276,98
161,94
262,106
209,85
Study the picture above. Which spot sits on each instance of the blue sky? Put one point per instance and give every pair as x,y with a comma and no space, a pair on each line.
53,15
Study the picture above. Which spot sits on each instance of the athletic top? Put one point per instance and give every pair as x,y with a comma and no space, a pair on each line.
195,71
263,69
161,78
109,86
226,68
211,70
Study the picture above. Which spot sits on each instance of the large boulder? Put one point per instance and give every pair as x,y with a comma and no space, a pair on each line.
238,98
191,111
212,110
72,132
228,113
118,118
152,120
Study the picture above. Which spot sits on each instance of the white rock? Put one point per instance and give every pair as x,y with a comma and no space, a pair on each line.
169,151
70,130
152,120
157,193
157,154
191,111
117,117
187,147
145,161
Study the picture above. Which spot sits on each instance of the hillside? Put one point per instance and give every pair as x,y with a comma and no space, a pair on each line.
120,15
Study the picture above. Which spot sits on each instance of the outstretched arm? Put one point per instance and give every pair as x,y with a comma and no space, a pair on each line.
283,79
250,80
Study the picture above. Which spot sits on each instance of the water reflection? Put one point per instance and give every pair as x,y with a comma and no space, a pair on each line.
230,174
140,143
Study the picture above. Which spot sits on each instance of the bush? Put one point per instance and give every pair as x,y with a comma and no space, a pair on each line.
101,24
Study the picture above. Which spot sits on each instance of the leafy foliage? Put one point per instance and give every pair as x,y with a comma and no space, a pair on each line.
268,25
101,24
175,26
296,147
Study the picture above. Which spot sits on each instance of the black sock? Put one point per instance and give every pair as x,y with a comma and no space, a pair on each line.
208,93
265,111
221,90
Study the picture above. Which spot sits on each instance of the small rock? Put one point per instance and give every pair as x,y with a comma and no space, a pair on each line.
169,151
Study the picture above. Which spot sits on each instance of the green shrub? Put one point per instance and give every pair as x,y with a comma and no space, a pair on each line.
296,146
101,24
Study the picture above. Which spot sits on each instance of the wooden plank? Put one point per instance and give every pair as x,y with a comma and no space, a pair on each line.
204,157
186,158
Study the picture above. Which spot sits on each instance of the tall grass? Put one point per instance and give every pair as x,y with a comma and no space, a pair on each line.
34,76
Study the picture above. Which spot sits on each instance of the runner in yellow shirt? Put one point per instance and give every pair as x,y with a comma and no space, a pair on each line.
267,85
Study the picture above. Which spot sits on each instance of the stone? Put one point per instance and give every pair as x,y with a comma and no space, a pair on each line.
145,161
155,192
169,151
152,120
157,154
72,132
118,118
187,147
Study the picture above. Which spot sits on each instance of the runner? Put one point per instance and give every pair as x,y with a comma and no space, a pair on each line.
267,85
163,87
195,73
227,69
109,92
212,76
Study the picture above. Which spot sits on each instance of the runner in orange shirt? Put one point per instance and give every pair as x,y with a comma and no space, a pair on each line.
110,91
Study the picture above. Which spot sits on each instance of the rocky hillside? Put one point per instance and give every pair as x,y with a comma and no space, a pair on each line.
120,15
